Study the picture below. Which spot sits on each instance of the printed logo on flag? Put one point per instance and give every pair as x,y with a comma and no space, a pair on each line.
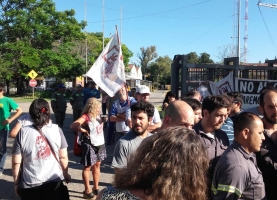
108,70
110,57
224,88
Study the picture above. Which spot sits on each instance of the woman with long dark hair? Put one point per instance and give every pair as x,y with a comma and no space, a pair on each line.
170,164
40,150
169,97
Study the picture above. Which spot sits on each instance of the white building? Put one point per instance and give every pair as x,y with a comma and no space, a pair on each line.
135,72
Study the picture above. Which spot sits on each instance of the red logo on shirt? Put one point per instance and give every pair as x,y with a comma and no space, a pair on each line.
99,129
43,150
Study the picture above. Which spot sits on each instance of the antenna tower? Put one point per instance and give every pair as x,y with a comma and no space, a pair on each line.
245,32
235,33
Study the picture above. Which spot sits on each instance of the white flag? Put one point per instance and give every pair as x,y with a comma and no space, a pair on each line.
108,70
223,86
203,91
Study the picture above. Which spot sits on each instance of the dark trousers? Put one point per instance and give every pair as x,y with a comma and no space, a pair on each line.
46,191
3,148
111,134
104,108
76,114
60,118
104,112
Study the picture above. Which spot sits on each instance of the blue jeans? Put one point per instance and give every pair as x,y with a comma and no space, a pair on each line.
3,148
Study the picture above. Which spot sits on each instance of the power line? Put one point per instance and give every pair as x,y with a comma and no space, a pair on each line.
179,8
209,31
269,34
170,17
151,14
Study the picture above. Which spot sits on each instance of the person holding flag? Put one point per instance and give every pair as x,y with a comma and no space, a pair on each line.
118,112
108,70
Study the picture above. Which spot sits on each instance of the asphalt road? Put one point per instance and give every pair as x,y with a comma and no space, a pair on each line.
75,169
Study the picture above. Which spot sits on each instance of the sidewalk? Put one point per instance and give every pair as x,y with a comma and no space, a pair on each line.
75,169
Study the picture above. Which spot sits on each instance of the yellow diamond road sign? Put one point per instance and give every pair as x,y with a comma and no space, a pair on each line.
32,74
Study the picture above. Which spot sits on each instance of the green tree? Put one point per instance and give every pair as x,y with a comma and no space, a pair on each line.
193,58
35,36
95,48
160,70
145,56
205,58
127,54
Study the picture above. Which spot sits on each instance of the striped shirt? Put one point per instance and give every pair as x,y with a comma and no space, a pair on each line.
228,128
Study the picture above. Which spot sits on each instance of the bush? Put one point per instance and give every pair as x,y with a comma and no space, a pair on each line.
48,93
156,85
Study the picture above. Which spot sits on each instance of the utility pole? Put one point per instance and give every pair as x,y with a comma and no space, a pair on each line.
121,24
86,43
103,19
238,41
245,32
235,24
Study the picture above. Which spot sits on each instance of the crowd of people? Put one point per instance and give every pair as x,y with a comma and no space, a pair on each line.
202,148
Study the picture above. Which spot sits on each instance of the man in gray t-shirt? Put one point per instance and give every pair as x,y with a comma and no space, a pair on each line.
142,114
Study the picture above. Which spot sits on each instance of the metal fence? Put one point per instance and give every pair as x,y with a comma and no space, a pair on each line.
186,76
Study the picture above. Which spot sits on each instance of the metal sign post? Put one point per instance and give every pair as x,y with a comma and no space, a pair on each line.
33,82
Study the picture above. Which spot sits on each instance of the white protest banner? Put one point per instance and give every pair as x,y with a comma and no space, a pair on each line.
250,89
108,70
223,86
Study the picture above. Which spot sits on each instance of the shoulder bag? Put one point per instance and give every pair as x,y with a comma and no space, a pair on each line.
63,188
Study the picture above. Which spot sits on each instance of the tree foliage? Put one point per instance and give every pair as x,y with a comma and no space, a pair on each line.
127,54
205,58
146,55
35,36
159,70
195,59
95,48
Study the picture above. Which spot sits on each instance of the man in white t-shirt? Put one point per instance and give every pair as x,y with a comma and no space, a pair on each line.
118,112
143,94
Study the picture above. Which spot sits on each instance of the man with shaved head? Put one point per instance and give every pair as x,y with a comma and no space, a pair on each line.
237,175
196,107
178,113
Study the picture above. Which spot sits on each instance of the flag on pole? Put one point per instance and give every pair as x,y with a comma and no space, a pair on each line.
108,70
223,86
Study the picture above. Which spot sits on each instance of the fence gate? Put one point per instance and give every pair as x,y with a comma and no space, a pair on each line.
186,76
